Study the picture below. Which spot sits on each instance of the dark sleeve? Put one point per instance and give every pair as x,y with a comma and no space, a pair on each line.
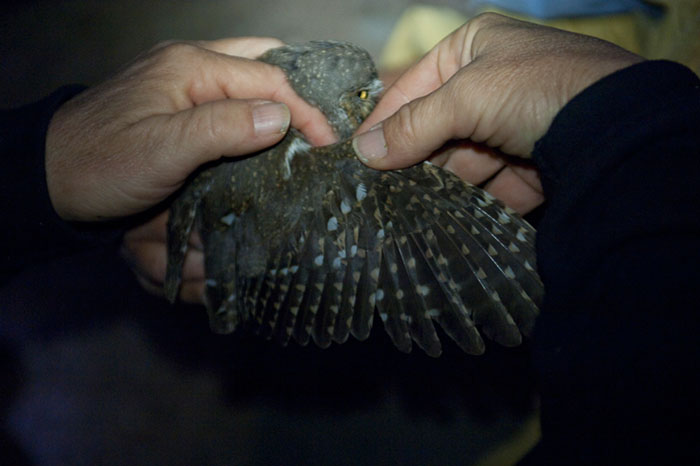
617,344
31,230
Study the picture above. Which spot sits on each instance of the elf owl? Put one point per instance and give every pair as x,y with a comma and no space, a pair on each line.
308,243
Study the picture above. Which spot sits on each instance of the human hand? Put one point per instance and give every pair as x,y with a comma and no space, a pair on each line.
125,145
145,249
154,123
494,85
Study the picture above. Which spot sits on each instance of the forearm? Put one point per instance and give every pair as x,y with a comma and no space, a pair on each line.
618,253
619,163
31,230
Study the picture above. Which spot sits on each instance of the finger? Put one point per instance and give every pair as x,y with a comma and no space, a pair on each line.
418,128
192,292
239,78
509,187
223,127
152,230
149,259
422,78
155,289
530,175
196,240
248,47
474,163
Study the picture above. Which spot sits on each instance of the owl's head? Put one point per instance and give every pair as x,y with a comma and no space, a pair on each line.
337,77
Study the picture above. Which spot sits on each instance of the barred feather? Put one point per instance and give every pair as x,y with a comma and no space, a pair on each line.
308,243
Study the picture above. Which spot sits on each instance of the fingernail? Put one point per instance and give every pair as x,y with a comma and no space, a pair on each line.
370,145
270,118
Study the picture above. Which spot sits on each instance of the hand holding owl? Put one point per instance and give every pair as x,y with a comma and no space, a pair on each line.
125,145
495,84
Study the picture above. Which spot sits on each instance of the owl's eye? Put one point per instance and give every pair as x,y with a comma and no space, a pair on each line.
363,94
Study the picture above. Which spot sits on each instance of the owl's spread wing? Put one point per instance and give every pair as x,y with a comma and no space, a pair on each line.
419,245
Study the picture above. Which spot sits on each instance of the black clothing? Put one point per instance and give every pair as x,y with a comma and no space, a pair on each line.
32,231
616,346
618,248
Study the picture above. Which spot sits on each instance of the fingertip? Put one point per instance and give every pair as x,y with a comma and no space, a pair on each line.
370,147
270,118
315,128
247,47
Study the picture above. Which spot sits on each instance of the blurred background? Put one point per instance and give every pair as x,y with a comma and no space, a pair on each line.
95,371
48,43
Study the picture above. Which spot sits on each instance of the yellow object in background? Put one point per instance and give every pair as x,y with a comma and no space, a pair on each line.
674,36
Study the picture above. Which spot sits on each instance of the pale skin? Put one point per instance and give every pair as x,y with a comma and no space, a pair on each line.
127,144
493,86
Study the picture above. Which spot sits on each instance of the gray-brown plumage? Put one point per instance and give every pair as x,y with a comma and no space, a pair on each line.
307,242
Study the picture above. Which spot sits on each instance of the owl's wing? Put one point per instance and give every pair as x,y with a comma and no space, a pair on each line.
419,245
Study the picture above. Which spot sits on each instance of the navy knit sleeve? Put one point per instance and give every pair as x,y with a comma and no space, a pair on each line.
616,345
31,230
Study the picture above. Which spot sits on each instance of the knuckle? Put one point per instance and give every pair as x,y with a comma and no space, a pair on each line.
488,17
406,128
176,51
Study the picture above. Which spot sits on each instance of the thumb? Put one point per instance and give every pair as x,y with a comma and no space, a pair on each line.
415,131
226,127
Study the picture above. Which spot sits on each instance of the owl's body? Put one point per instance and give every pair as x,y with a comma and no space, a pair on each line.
306,242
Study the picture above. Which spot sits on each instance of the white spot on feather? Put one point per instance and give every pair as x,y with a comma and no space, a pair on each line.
422,290
319,260
297,145
345,207
332,224
228,219
360,192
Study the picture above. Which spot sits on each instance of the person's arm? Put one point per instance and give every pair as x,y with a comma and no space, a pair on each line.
495,85
616,342
124,146
618,251
31,229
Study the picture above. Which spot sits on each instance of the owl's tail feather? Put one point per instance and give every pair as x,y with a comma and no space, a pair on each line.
180,222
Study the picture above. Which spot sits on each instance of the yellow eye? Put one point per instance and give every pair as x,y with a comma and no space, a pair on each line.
363,94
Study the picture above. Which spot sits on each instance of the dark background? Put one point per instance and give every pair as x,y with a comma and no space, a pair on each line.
45,44
95,371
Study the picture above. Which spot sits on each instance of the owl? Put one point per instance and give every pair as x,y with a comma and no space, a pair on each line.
307,243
